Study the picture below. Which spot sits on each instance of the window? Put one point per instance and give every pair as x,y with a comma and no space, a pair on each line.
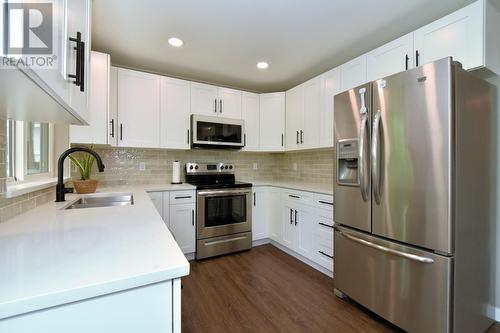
28,151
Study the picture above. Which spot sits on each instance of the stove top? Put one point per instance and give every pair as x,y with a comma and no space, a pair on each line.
207,176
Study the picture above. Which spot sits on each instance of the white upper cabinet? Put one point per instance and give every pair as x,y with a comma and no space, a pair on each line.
353,73
294,115
174,116
309,132
391,58
204,99
250,112
138,109
113,107
272,122
97,130
229,103
79,18
469,35
211,100
330,86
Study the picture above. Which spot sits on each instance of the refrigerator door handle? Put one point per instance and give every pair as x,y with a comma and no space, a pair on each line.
375,157
362,157
405,255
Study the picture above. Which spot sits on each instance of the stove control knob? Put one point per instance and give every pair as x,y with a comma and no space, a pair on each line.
190,167
196,167
222,167
226,167
230,167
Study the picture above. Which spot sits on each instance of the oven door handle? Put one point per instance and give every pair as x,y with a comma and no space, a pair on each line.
211,193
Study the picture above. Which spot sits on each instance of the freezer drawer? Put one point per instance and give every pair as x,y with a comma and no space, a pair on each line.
410,288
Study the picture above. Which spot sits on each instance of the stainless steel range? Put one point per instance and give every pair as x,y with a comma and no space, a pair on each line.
224,209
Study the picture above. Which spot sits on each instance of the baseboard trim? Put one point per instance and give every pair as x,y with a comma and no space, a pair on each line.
260,242
302,258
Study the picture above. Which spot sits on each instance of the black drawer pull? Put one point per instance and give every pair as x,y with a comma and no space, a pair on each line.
326,255
326,225
294,196
325,202
184,197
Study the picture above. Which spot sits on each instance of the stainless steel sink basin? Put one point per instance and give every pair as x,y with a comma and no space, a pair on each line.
102,201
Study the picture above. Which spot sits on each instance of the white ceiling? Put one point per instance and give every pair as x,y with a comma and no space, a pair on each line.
224,39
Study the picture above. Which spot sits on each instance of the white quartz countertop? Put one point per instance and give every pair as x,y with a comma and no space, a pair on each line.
300,186
50,256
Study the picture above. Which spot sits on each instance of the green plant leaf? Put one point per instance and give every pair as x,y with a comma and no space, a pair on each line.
79,165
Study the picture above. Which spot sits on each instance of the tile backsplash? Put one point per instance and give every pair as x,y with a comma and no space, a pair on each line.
122,165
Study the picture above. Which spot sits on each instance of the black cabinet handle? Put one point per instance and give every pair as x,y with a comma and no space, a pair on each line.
254,200
187,136
323,253
82,66
297,137
295,217
281,139
112,122
121,132
291,212
215,105
407,59
244,139
325,202
417,56
301,137
294,196
192,217
326,225
183,197
220,102
78,71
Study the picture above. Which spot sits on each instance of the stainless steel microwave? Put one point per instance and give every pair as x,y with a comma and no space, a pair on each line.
217,132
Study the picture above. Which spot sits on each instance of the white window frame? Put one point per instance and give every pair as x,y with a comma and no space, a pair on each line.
20,155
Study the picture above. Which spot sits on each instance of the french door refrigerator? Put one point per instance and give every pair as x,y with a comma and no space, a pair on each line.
414,198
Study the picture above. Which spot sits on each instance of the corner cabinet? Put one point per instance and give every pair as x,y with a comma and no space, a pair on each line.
138,109
330,86
272,122
175,108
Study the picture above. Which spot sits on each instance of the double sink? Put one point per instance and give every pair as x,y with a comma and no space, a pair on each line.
93,201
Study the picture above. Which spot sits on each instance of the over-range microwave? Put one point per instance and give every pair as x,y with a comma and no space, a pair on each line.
217,132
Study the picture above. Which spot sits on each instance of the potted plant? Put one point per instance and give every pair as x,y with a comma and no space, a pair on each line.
84,164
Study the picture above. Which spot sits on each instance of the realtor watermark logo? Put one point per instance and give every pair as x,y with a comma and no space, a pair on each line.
28,34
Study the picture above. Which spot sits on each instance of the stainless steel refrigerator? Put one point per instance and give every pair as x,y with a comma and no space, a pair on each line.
414,197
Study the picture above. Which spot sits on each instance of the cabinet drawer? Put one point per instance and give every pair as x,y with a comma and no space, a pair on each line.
323,244
182,197
305,198
323,201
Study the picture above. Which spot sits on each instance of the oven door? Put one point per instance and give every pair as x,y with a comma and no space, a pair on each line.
216,132
223,212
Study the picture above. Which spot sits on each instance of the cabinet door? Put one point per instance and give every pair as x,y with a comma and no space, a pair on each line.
309,137
303,221
78,20
113,125
138,109
272,122
157,200
229,103
330,86
182,226
275,214
288,231
204,99
97,130
174,115
250,114
260,213
458,35
294,117
353,73
391,58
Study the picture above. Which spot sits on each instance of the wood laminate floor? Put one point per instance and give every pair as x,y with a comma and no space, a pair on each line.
266,290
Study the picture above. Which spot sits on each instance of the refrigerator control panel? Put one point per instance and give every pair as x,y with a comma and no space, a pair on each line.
347,162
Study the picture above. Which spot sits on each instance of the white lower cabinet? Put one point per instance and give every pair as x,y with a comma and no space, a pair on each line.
274,214
298,228
260,213
178,210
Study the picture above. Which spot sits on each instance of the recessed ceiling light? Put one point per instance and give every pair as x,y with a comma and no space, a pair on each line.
262,65
175,42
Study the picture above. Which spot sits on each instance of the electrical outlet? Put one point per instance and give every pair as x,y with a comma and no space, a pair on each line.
142,166
294,166
255,166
